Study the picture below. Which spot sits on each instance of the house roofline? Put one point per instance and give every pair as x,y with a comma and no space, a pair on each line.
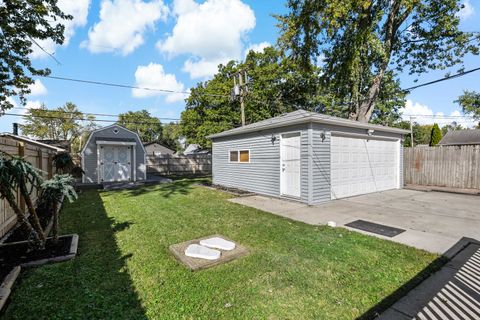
309,118
104,128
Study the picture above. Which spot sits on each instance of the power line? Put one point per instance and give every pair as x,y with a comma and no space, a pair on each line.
88,114
118,85
436,116
460,74
65,118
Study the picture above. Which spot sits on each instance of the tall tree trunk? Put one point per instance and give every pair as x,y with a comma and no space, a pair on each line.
22,219
391,26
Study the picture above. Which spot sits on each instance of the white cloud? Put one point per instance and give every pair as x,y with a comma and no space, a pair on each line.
211,33
202,68
33,104
467,11
153,76
37,88
257,47
79,10
123,24
423,114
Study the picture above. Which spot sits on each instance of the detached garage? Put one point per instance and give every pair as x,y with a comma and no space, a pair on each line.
113,154
309,157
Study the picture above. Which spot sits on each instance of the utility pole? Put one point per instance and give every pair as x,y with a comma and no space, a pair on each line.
241,90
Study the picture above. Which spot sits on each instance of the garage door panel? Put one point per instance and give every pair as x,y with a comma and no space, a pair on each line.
360,166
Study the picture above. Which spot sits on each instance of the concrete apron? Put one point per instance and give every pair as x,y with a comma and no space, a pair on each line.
434,221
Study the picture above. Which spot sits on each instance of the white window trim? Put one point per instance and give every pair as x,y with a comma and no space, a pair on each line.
399,163
238,155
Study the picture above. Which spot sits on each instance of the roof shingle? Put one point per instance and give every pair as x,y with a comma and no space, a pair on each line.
461,137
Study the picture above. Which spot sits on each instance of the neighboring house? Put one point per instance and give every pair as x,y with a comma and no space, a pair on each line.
461,138
195,149
156,148
64,144
309,157
112,154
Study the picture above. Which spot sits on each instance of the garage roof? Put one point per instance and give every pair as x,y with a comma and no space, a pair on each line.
461,137
302,116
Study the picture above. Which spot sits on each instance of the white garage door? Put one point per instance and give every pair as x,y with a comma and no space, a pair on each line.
360,166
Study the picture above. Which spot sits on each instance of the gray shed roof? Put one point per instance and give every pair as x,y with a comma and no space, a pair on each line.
302,116
461,137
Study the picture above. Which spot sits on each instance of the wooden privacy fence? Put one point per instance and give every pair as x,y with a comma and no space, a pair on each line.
452,166
40,157
198,164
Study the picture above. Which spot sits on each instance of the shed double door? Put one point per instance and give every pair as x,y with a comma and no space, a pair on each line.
360,166
115,163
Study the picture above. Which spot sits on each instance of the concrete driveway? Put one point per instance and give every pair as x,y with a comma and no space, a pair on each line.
433,221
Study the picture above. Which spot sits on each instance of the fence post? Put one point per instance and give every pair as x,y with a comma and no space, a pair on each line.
50,166
21,153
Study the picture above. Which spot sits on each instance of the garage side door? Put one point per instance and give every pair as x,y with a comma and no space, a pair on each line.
360,166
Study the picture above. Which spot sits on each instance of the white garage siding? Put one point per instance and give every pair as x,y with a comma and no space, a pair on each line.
262,174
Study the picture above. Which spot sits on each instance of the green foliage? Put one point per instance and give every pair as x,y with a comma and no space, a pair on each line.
277,85
60,185
63,123
171,136
63,162
362,41
52,192
17,174
22,24
148,127
421,133
25,174
451,127
435,136
470,103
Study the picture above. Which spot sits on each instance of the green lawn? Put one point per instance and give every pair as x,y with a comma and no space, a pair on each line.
125,271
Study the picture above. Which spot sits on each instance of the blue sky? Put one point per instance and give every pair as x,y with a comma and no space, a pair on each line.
174,45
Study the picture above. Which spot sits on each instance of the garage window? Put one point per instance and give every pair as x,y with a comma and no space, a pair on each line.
242,156
233,156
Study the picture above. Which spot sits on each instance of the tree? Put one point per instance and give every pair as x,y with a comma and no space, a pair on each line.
63,162
24,22
63,123
363,41
470,103
451,127
435,136
8,189
421,133
52,192
171,136
277,85
148,127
